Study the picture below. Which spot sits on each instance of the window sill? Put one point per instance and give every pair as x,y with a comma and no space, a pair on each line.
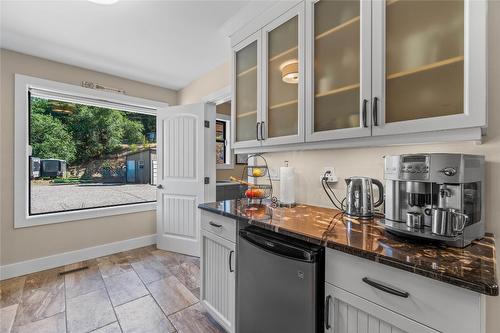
224,166
32,221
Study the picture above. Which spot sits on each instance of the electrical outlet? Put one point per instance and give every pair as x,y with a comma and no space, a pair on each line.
331,177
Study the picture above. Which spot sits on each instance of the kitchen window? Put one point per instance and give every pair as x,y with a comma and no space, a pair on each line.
81,153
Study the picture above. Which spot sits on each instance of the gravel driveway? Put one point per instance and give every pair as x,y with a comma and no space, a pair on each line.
53,198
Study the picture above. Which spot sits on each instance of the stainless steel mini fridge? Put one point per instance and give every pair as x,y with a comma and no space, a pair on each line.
280,284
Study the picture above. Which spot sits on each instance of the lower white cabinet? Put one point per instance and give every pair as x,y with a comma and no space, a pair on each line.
218,262
348,313
360,292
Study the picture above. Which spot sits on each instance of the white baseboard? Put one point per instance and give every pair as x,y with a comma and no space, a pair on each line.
40,264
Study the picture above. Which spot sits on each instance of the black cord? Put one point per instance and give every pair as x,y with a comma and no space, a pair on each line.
331,190
323,181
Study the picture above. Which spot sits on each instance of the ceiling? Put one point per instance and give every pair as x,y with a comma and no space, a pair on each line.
165,43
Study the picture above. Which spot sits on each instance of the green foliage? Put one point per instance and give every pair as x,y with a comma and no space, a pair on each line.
133,132
82,133
96,131
50,139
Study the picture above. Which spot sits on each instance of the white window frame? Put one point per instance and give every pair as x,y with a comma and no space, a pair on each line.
219,97
22,150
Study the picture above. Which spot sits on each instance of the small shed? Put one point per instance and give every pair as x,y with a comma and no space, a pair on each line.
141,167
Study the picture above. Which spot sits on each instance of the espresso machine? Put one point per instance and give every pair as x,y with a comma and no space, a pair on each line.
435,196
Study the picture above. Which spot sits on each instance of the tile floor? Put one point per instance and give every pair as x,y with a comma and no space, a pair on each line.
140,291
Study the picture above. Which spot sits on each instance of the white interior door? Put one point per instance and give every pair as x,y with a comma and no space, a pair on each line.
186,162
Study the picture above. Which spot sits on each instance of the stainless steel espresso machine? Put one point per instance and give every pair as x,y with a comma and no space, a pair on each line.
435,196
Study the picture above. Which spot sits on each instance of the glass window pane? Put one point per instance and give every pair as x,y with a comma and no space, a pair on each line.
336,64
86,157
220,149
283,66
424,59
246,93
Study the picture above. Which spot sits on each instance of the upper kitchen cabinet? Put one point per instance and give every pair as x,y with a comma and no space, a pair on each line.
337,72
283,79
339,69
429,65
245,114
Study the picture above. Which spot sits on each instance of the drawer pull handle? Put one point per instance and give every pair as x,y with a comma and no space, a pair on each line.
385,288
327,312
230,265
213,224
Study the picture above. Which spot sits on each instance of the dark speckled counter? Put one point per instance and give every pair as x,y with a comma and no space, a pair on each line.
473,267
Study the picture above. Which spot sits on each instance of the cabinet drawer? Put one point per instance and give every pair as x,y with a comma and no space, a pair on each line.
219,225
433,303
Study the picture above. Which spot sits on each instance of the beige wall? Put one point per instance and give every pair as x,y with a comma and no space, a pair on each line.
212,81
369,162
28,243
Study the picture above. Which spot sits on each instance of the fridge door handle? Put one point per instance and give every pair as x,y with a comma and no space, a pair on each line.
327,312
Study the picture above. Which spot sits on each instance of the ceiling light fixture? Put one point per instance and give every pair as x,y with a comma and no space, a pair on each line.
290,71
104,2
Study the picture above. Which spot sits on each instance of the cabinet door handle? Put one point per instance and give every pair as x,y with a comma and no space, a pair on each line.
262,130
230,260
213,224
365,102
375,111
327,312
257,131
385,288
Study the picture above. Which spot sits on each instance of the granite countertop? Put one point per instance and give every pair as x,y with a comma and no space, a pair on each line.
473,267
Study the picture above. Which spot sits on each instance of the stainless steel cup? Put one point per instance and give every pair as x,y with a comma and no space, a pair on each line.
448,222
415,220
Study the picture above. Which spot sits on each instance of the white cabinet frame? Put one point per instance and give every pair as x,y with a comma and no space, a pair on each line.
475,62
299,137
365,77
256,37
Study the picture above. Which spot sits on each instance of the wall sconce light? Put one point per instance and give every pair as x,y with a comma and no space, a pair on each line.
290,71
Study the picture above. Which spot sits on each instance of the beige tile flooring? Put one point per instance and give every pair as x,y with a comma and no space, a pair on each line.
140,291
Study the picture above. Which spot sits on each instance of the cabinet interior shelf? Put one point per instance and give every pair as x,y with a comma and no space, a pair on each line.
280,105
246,114
337,90
246,71
338,27
427,67
284,53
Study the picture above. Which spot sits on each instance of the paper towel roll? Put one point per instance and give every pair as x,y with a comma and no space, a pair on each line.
287,185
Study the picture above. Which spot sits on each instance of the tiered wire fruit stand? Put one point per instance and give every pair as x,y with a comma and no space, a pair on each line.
259,185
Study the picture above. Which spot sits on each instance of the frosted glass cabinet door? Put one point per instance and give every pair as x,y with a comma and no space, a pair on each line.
425,64
340,44
246,95
283,63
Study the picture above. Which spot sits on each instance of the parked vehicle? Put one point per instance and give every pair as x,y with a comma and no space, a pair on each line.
53,168
35,168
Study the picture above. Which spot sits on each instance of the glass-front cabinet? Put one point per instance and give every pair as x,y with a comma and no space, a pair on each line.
246,101
339,95
427,58
283,79
349,69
